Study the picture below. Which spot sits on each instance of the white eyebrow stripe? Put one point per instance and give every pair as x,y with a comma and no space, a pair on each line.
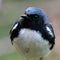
15,26
50,32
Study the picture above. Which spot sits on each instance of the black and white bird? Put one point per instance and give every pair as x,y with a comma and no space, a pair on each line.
33,35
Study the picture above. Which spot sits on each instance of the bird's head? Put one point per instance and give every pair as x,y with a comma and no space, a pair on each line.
35,14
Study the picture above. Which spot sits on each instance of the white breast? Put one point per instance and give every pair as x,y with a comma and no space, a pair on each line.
31,44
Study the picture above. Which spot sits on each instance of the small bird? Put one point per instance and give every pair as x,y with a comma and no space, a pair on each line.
32,34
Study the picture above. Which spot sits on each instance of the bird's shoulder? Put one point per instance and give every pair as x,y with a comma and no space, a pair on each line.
47,32
17,24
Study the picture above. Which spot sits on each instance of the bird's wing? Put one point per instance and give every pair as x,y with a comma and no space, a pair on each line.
48,34
50,30
15,29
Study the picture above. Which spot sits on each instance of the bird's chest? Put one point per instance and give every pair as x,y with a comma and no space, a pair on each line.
31,44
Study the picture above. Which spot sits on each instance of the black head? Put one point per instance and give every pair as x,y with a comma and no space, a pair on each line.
36,14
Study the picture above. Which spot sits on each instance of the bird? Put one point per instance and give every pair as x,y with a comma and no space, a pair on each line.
32,34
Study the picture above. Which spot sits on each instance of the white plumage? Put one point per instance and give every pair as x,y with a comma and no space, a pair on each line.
31,44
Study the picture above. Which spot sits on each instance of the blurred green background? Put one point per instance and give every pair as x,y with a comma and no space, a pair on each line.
10,10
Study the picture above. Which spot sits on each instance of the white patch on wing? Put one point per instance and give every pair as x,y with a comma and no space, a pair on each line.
15,26
50,32
38,47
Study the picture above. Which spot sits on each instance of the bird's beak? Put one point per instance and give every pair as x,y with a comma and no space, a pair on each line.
24,16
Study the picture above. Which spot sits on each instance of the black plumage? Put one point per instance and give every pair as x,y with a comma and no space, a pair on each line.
34,19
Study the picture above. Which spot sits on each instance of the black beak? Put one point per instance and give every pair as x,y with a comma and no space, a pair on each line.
25,16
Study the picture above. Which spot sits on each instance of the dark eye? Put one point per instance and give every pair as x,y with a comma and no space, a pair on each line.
33,16
36,16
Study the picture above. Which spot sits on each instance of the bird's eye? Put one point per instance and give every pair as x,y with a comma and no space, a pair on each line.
36,16
33,16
